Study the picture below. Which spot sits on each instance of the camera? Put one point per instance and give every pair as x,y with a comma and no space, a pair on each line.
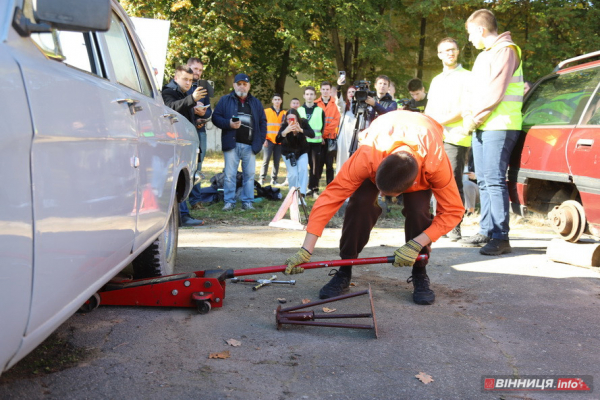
362,91
404,104
292,158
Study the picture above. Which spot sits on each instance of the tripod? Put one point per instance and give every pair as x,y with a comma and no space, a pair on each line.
359,125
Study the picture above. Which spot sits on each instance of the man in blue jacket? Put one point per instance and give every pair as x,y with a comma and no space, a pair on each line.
243,122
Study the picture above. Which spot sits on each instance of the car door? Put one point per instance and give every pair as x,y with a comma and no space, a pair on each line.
583,153
16,224
83,174
156,141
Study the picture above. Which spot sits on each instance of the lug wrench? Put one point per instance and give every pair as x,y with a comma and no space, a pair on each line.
262,282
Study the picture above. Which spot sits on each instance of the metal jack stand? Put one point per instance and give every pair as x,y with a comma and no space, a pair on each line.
292,317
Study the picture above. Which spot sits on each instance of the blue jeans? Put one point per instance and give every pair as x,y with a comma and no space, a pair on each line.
241,152
491,153
298,176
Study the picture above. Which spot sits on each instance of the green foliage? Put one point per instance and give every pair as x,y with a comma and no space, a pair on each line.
271,40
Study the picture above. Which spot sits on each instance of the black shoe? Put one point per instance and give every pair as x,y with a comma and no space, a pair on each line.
496,247
477,240
422,295
189,221
338,285
454,235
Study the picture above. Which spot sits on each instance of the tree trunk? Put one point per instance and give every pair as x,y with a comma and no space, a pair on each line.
421,48
283,73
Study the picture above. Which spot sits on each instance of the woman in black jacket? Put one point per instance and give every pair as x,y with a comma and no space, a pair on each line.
292,136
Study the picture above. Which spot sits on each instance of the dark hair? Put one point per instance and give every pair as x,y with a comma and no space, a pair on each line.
348,102
184,68
384,77
415,84
293,111
276,95
295,98
396,173
325,83
485,19
310,88
193,60
448,40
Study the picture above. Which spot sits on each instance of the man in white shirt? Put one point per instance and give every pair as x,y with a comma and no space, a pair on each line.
445,102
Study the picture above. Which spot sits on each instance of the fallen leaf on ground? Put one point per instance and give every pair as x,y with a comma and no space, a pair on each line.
282,300
325,309
222,355
305,301
352,284
423,377
233,342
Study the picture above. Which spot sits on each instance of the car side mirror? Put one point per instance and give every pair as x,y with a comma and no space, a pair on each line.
65,15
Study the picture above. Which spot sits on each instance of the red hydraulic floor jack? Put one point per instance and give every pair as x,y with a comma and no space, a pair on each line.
200,289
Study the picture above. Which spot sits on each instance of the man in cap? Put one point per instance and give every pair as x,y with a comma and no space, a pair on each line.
243,122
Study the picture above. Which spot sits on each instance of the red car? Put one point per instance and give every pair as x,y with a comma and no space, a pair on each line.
556,167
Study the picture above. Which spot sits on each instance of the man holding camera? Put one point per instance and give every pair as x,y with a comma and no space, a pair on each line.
175,95
382,102
202,113
243,122
402,153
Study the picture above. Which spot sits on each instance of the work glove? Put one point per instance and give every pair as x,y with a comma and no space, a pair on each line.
301,257
406,255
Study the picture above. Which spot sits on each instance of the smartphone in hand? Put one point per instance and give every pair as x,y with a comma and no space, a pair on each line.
235,119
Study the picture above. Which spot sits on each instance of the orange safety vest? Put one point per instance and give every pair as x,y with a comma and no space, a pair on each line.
274,121
332,118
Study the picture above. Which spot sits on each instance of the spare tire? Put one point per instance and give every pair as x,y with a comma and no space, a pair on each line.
159,258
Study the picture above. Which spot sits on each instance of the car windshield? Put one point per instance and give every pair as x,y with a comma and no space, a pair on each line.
560,99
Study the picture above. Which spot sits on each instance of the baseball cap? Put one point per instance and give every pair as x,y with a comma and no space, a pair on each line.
241,77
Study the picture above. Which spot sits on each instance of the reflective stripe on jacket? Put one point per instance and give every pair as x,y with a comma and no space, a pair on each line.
315,122
274,121
507,115
332,118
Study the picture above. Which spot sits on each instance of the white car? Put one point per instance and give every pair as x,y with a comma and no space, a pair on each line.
93,163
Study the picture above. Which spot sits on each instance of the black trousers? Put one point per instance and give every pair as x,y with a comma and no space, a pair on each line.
457,155
362,214
315,165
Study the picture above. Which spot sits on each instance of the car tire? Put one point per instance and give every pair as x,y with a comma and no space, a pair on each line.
159,258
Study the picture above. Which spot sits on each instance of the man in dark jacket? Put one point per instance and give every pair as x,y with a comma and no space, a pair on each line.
243,122
175,96
383,102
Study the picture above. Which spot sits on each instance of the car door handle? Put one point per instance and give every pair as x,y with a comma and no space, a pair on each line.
133,108
585,143
172,117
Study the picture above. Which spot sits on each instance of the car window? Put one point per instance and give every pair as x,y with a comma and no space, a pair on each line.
559,100
125,59
76,49
592,115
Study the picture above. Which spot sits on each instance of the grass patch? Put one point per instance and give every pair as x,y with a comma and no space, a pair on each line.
212,214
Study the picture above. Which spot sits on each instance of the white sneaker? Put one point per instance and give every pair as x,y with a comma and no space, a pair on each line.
248,206
229,207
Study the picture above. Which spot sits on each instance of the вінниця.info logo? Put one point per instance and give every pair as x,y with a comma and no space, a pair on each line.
549,383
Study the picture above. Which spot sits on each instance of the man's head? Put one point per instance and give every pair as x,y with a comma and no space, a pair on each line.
241,85
310,93
197,66
184,77
325,89
295,103
392,89
382,84
480,25
276,100
448,52
416,89
396,173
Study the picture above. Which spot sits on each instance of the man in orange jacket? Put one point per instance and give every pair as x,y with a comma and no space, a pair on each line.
403,152
330,131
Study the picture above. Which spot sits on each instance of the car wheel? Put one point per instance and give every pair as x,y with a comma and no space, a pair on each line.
159,258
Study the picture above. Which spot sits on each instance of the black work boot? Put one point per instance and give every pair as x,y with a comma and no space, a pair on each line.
495,247
422,294
338,285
